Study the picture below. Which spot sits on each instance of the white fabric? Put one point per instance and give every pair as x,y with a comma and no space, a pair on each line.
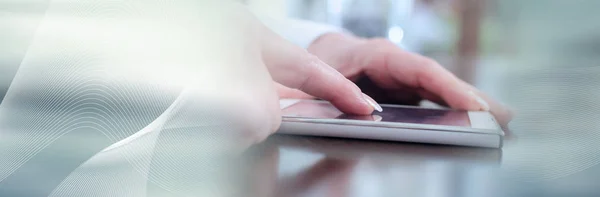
299,32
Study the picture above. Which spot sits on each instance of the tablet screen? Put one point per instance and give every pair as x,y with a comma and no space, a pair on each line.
397,114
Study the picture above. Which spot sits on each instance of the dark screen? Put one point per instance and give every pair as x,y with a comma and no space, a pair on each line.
324,110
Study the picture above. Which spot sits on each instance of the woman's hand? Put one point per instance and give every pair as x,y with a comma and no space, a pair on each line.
392,75
258,60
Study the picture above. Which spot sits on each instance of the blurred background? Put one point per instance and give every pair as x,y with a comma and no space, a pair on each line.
479,40
451,31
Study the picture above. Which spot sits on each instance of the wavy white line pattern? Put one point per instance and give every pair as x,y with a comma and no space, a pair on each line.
100,66
175,156
557,124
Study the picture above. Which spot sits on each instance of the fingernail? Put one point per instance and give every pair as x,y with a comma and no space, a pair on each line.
484,105
377,118
372,102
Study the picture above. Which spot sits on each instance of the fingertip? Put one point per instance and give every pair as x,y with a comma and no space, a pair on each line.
354,102
505,114
510,111
356,106
372,103
461,100
482,104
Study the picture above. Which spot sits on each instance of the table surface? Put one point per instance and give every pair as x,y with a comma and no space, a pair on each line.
318,166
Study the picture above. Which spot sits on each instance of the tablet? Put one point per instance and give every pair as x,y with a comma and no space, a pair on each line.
394,123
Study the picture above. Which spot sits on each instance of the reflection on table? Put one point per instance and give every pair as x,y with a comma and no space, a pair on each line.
313,166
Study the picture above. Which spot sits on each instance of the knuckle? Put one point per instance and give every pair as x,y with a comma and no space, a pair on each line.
428,72
310,68
430,64
311,60
382,43
308,63
432,69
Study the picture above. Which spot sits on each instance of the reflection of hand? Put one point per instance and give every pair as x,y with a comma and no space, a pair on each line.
264,172
375,118
454,119
265,181
336,172
398,76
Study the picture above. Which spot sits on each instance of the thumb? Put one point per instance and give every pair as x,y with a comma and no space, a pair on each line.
294,67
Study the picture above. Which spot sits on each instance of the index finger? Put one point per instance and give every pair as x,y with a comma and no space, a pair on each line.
294,67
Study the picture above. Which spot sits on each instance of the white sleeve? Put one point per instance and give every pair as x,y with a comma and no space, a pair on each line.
299,32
